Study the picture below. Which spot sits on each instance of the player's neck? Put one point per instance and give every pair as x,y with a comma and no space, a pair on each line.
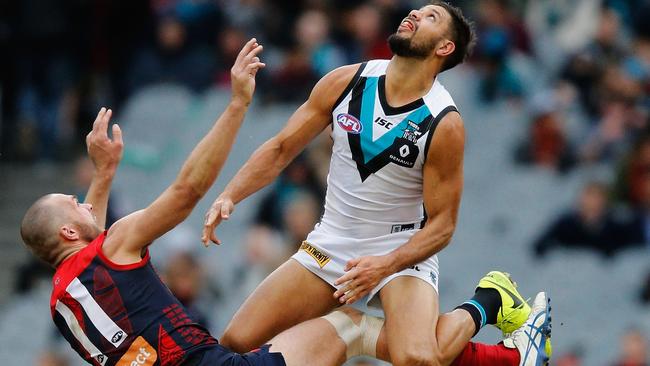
68,250
409,79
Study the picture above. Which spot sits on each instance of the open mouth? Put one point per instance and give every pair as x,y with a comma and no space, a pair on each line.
407,24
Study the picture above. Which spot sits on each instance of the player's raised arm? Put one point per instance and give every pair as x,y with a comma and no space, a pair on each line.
130,235
442,188
274,155
105,155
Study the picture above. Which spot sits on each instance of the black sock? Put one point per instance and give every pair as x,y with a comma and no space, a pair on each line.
483,307
490,299
475,313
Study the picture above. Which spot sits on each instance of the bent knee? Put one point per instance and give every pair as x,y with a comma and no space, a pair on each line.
237,341
414,357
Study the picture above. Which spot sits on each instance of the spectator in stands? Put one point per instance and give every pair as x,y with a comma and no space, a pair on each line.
585,68
634,349
620,119
367,25
264,251
300,216
631,181
173,58
298,178
592,225
637,64
499,34
547,143
45,71
228,46
313,33
184,276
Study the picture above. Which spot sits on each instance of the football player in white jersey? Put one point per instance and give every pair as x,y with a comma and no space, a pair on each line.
394,189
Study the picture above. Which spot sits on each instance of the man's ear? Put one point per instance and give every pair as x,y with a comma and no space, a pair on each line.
446,48
69,232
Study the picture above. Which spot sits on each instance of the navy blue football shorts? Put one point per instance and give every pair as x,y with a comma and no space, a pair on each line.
221,356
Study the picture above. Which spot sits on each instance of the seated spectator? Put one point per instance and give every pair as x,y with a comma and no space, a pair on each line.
630,184
264,251
547,144
313,36
634,349
173,59
299,177
585,68
300,216
184,277
500,34
620,118
228,46
368,27
592,225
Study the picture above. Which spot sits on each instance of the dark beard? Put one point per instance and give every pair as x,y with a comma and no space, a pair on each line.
88,232
403,47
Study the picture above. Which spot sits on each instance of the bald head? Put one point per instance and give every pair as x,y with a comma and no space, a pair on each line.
40,227
44,220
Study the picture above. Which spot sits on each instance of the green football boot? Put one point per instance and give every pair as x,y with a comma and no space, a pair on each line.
514,310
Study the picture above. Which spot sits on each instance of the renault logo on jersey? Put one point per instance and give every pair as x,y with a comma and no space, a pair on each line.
349,123
404,151
320,258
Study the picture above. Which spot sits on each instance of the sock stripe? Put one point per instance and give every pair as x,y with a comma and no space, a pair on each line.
480,309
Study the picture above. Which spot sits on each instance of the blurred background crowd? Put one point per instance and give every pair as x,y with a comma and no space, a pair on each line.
555,98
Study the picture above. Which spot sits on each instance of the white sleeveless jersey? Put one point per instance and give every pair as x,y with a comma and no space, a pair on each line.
374,186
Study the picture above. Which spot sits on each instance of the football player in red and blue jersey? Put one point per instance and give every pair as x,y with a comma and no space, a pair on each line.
107,300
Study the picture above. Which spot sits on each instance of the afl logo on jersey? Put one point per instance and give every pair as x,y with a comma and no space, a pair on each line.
349,123
117,337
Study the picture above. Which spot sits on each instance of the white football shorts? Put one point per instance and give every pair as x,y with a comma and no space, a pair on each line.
326,255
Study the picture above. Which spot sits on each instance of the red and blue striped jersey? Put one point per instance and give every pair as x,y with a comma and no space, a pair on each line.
122,315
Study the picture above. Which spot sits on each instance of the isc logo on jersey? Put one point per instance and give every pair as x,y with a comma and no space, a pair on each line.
349,123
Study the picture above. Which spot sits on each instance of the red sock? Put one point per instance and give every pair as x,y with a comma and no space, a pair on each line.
479,354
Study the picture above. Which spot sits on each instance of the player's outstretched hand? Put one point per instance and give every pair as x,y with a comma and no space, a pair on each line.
242,73
363,274
104,152
220,210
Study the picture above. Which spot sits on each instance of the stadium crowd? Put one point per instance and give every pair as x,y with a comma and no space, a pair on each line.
580,69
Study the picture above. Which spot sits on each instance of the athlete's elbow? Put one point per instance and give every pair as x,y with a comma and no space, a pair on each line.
450,227
187,195
281,152
444,231
446,235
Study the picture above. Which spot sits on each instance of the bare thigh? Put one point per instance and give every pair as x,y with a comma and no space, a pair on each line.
314,342
411,308
288,296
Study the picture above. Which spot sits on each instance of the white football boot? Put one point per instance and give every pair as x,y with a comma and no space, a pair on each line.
533,339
